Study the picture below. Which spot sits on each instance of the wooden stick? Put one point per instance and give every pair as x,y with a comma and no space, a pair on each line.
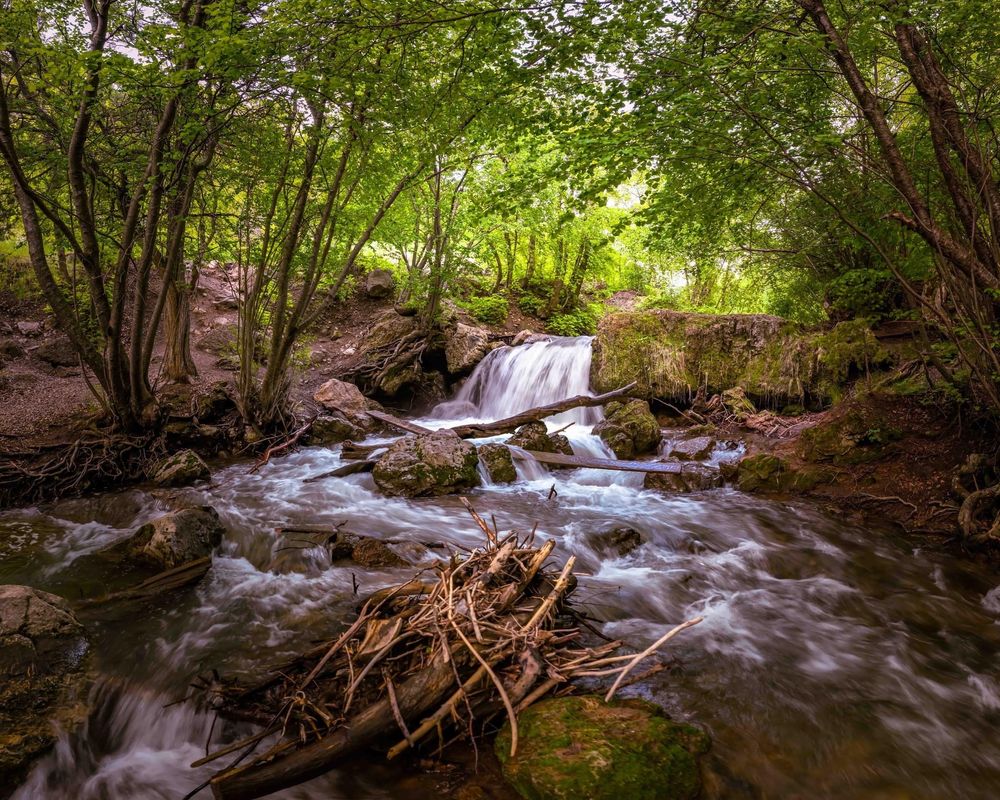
590,462
648,652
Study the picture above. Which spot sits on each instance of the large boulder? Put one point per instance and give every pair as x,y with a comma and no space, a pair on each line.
535,436
379,283
58,352
498,462
173,539
429,464
464,347
765,472
44,658
629,428
671,355
576,747
331,429
345,398
180,469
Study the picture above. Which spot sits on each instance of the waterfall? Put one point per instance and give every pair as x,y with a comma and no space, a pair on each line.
513,379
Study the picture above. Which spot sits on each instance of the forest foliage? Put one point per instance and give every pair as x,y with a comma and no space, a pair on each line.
816,161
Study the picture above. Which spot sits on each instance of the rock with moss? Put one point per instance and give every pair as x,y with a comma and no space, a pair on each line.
854,437
629,428
736,402
331,429
765,472
672,354
576,747
181,469
44,676
616,542
427,465
535,436
171,540
498,462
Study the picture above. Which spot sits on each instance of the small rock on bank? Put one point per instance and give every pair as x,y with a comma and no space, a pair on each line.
576,747
180,469
43,676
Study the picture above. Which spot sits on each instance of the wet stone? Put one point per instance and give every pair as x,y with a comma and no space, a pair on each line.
181,469
694,449
616,542
498,462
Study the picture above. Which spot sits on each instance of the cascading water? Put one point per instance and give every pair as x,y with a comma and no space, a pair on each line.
834,661
513,379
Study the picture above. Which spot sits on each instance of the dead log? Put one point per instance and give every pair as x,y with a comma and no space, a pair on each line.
510,424
396,422
589,462
415,697
351,468
166,581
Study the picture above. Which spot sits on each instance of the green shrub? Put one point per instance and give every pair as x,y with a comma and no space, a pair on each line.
869,293
580,322
491,310
531,304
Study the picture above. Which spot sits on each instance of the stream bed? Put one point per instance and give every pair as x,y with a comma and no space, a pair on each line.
834,661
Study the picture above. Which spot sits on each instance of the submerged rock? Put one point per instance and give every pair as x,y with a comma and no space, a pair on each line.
429,464
692,478
582,747
365,551
172,539
616,542
498,462
465,346
43,676
181,469
535,436
629,428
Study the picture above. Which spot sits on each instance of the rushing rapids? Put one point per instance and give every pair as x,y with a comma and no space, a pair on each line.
834,661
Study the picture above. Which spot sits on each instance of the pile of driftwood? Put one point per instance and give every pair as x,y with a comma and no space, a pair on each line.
477,638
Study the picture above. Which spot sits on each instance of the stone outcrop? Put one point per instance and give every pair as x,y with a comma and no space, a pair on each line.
181,469
498,462
172,539
345,398
44,658
629,428
426,465
672,354
379,283
464,347
535,436
575,747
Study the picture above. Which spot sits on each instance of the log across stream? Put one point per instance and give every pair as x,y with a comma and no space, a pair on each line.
834,661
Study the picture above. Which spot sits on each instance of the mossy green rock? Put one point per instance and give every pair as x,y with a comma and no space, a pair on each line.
498,462
765,472
535,436
181,469
430,464
672,354
581,747
629,428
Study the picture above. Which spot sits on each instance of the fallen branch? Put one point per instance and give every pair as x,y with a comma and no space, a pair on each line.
277,448
590,462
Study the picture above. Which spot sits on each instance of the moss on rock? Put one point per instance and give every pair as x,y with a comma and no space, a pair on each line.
576,747
629,428
671,354
765,472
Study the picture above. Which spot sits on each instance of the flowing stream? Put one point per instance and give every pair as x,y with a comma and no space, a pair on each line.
834,661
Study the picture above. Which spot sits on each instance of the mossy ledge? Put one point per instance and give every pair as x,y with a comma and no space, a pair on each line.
671,355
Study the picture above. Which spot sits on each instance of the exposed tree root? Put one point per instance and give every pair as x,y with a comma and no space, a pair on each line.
977,504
